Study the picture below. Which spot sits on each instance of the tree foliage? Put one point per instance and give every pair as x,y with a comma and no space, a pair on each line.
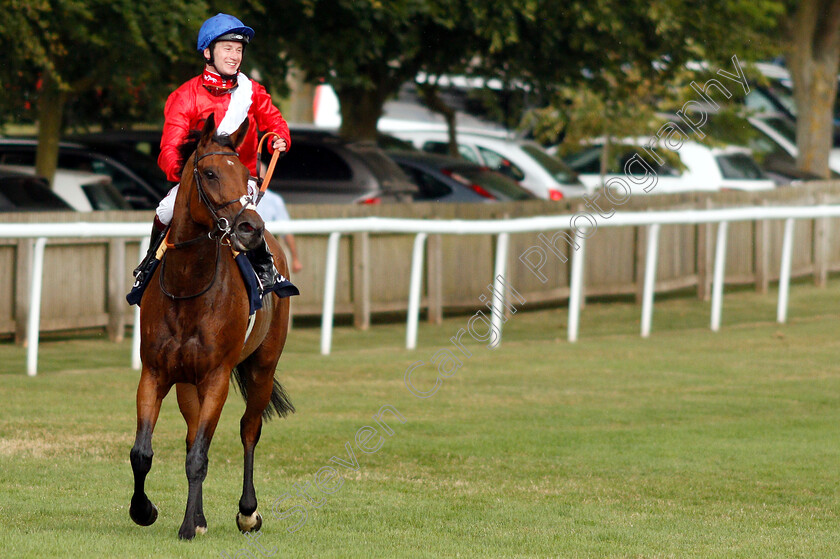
110,62
113,58
103,62
366,49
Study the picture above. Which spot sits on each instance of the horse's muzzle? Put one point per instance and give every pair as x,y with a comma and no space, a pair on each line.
247,233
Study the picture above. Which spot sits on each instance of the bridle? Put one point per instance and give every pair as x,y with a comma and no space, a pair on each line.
222,229
221,233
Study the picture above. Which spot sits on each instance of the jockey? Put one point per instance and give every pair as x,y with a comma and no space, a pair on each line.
226,92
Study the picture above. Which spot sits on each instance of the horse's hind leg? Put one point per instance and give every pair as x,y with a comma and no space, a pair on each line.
212,396
149,396
190,406
259,388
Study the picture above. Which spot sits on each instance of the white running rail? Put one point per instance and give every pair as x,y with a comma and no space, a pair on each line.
43,232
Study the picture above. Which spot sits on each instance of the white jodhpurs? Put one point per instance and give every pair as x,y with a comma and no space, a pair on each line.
166,207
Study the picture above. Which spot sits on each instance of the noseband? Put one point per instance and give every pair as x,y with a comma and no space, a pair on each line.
223,226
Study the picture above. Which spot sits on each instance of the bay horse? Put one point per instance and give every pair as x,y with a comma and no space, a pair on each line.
194,326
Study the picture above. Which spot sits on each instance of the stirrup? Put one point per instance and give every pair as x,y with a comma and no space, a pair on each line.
268,281
146,266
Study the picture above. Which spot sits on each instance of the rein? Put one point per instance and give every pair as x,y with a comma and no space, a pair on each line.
200,293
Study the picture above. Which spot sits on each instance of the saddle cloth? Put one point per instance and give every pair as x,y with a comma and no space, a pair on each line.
283,288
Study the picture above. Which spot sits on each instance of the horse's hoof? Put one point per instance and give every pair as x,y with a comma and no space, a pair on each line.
187,533
146,517
200,524
249,523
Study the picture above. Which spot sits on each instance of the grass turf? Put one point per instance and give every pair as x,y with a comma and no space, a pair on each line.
687,444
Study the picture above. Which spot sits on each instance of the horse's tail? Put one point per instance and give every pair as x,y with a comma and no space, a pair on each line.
280,404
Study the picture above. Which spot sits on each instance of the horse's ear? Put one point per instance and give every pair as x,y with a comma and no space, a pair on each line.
239,136
209,129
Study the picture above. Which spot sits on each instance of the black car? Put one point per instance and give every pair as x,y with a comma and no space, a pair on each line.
20,192
449,179
145,142
321,168
135,175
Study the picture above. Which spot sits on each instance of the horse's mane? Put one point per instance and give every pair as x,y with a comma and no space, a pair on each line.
188,147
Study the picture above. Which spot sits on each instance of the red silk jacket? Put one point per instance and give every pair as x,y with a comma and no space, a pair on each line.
189,106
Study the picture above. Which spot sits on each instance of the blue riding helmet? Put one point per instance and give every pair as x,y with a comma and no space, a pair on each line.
223,27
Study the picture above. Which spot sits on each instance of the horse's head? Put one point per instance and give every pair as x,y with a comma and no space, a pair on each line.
221,188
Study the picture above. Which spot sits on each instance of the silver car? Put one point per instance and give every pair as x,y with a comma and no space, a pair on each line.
522,160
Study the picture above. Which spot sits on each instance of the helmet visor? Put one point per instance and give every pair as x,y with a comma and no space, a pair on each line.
234,36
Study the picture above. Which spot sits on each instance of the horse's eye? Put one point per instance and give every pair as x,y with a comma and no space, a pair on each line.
210,175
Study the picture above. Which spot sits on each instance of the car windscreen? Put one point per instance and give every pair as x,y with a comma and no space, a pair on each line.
145,167
587,161
28,194
739,166
783,127
494,182
559,170
103,195
430,187
388,143
669,163
135,176
312,162
388,173
779,92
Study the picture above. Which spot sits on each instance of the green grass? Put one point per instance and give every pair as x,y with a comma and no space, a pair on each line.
687,444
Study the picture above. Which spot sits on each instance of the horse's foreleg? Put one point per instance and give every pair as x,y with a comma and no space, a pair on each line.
212,396
190,406
259,396
248,519
149,396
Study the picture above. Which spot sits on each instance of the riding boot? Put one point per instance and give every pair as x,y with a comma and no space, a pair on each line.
146,265
263,263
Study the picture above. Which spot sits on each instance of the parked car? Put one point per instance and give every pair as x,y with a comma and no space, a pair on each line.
389,142
775,95
135,176
731,167
774,145
321,168
20,192
83,191
692,167
774,109
587,163
522,160
772,94
770,137
451,179
145,142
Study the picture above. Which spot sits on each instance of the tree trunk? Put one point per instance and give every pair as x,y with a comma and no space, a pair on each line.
360,111
605,158
431,98
51,101
813,60
298,106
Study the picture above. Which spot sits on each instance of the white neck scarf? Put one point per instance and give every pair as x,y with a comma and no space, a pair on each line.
240,103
